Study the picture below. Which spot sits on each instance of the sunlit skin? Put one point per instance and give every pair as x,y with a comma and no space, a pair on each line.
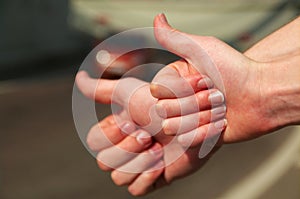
254,108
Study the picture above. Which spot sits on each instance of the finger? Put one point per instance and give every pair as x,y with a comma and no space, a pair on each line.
173,40
128,172
172,82
107,91
145,182
199,101
188,47
209,132
183,124
97,89
107,133
124,151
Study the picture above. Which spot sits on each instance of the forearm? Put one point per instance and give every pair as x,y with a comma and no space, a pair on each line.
281,88
278,45
280,51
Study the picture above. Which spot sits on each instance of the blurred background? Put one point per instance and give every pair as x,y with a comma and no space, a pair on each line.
42,45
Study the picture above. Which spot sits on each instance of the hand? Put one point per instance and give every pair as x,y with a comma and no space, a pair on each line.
150,172
140,102
242,78
133,158
212,51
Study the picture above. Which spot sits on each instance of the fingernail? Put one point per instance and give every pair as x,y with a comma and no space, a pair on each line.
216,98
127,128
164,125
205,83
220,124
163,18
153,87
218,110
156,150
143,138
160,110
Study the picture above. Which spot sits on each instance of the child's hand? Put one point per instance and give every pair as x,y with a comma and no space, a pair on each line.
132,156
193,110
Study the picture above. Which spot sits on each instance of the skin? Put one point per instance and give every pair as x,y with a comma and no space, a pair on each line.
268,107
107,138
246,80
282,43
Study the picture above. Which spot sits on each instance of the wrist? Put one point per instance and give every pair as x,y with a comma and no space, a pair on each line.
281,91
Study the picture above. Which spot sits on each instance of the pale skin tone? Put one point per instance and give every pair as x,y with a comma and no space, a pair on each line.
250,98
110,158
253,94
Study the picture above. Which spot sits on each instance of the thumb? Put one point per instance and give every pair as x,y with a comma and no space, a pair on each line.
108,91
189,47
100,90
179,43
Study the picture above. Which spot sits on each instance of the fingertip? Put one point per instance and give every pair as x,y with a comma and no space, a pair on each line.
163,18
102,165
205,83
166,128
146,182
221,124
80,76
216,98
82,73
156,150
127,127
117,179
160,20
160,92
86,84
144,138
198,82
160,110
154,90
91,141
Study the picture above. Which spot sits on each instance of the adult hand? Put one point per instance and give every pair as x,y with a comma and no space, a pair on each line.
245,82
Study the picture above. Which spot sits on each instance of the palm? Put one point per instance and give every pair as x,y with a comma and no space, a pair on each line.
241,88
232,72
